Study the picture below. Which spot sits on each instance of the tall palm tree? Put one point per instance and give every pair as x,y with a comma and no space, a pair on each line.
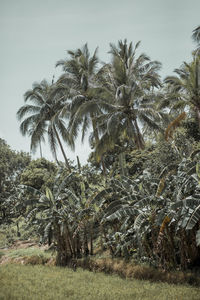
185,87
128,83
42,117
79,74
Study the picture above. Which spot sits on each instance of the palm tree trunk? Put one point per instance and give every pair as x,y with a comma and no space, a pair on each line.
62,149
139,138
40,150
94,127
96,136
78,164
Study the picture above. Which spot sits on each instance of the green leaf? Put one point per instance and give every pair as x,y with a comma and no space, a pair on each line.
198,237
195,217
139,221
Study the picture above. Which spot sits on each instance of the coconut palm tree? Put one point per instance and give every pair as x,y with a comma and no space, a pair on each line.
185,87
79,74
41,117
128,83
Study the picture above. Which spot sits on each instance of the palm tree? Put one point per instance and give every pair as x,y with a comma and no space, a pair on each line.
128,84
196,38
185,87
79,75
42,117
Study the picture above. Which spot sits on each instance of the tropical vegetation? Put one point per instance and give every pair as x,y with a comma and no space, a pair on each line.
138,197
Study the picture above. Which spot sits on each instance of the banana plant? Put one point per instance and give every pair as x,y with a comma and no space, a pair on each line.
63,214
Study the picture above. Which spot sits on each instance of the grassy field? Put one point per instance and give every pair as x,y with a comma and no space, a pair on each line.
25,282
38,282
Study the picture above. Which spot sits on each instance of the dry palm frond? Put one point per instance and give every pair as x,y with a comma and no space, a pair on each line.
173,125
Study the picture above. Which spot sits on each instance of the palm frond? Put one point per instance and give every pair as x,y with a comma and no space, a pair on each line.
27,109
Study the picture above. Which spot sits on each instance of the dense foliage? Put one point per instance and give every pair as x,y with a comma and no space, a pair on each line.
12,164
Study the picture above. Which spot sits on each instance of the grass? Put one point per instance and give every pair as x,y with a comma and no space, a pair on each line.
28,252
27,282
37,256
24,276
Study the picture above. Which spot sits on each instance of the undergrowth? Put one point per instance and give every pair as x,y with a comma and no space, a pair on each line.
141,272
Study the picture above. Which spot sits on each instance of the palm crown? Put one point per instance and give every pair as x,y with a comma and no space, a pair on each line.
185,87
128,84
42,117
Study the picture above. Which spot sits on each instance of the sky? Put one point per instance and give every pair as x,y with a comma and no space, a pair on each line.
35,34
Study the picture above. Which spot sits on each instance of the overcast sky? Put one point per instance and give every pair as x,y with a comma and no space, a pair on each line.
34,34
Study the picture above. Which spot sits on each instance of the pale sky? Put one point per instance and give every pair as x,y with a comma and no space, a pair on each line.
35,34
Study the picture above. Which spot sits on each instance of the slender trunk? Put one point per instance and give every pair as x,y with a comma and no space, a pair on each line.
138,137
62,149
96,136
40,150
18,232
78,164
94,127
103,166
91,240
